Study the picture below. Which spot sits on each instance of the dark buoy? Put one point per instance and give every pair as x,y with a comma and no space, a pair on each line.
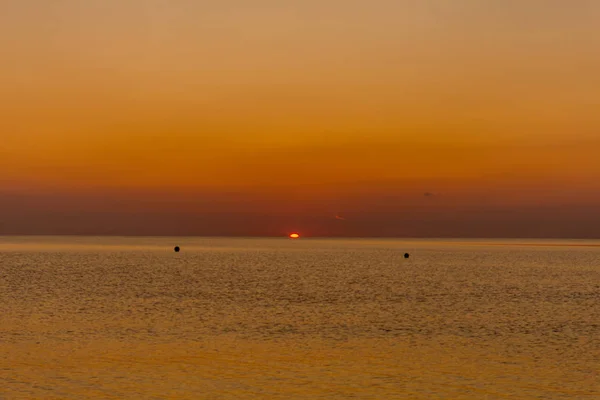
176,249
406,255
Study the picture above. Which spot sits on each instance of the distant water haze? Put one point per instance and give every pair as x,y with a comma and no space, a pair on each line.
68,216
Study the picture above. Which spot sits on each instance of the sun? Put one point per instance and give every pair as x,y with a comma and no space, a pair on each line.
294,236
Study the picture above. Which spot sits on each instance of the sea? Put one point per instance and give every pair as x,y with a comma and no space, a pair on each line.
275,318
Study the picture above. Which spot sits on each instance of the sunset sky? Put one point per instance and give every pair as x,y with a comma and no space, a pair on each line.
329,117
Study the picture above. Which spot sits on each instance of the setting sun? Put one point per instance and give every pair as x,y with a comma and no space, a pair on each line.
294,236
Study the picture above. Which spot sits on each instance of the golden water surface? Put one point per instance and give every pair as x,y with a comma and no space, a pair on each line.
115,318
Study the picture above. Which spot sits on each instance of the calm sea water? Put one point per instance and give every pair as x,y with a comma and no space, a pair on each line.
281,319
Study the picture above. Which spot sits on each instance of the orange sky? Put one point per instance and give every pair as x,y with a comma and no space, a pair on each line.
291,112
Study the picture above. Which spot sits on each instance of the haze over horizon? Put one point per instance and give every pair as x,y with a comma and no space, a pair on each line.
405,118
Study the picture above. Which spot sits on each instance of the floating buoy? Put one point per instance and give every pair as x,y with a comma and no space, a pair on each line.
406,255
176,249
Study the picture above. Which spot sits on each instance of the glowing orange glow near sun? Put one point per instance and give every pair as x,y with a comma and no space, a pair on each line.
294,236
